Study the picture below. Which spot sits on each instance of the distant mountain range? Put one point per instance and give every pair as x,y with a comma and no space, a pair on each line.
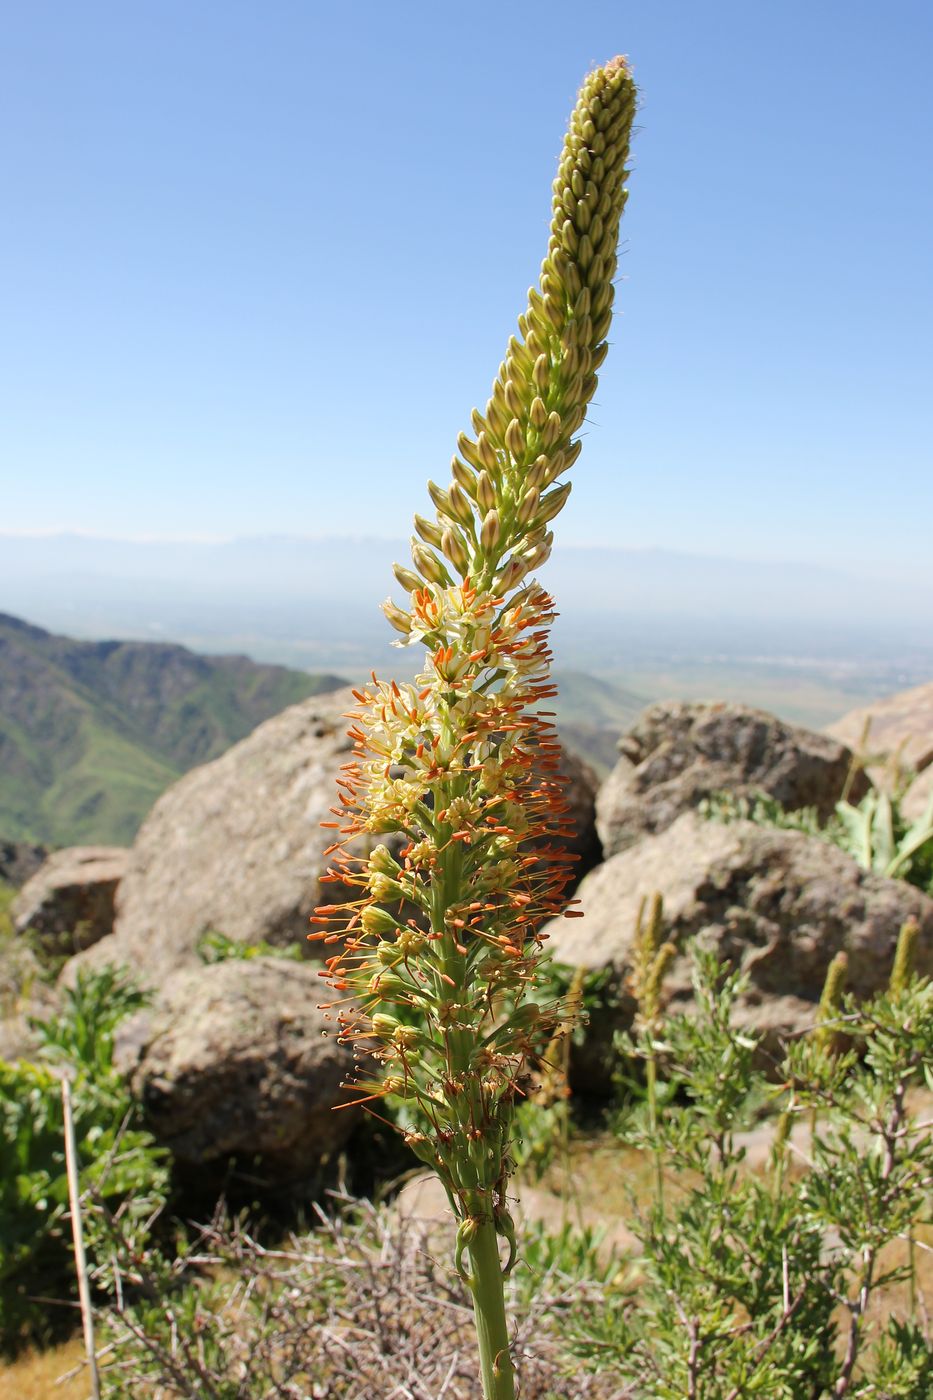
92,732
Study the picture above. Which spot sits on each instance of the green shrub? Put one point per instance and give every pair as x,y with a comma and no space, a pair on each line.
118,1160
761,1283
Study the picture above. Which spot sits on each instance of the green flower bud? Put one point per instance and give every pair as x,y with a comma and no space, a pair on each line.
384,888
485,492
552,503
464,478
541,372
487,453
409,581
389,984
905,956
382,859
377,921
383,1025
515,439
428,564
528,505
456,551
512,399
490,531
467,448
537,413
496,421
553,429
428,530
460,507
467,1231
439,496
399,619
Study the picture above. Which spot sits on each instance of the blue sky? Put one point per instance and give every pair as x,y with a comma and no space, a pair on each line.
258,261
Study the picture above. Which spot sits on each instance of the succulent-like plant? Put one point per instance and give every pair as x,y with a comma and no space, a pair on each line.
438,949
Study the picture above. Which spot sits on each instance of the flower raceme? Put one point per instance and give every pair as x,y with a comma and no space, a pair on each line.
437,948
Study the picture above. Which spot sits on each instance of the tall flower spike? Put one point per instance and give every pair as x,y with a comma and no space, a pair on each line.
437,949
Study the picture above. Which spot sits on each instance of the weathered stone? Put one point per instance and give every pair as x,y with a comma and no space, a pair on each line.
232,1061
678,754
777,904
19,860
902,722
901,727
237,845
69,903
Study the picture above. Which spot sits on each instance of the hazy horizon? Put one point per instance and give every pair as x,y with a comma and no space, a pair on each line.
241,293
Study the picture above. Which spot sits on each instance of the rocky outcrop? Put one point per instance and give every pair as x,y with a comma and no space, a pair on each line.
232,1061
19,860
678,754
777,904
900,725
68,904
237,845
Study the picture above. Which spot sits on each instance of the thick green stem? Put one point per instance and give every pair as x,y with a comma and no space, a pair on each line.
489,1310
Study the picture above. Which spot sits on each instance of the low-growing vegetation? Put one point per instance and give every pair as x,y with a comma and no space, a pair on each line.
795,1271
875,833
119,1159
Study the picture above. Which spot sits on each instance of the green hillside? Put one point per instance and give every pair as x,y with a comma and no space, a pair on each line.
92,732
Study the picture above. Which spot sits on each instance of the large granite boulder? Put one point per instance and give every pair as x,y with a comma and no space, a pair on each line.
678,754
232,1060
902,726
68,904
777,904
237,846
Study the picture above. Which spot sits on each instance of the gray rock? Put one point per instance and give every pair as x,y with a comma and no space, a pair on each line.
899,728
901,724
237,845
678,754
232,1060
19,860
68,904
777,904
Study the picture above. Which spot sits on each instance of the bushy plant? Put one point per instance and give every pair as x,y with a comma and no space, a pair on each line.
761,1283
118,1158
